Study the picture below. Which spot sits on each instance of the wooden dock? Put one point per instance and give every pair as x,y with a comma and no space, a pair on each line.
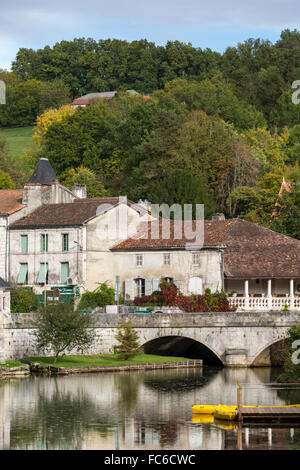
269,415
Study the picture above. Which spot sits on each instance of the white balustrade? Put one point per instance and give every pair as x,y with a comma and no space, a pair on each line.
265,303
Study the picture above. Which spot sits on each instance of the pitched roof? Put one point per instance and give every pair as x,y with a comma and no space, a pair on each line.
11,201
251,251
67,214
4,284
43,173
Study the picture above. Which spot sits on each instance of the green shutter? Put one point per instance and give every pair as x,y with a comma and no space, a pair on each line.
24,243
22,273
64,272
65,242
41,279
44,243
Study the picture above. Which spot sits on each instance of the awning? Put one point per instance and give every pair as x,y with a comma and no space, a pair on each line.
22,273
41,279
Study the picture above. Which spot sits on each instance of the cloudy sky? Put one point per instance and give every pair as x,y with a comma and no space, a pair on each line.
210,23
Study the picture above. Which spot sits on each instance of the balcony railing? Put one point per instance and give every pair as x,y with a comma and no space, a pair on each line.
265,303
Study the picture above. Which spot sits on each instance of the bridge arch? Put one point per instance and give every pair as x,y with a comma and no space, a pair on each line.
182,346
272,354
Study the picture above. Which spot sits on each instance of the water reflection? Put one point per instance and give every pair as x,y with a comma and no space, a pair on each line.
141,410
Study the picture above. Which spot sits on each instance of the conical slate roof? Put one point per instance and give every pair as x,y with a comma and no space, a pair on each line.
3,284
43,173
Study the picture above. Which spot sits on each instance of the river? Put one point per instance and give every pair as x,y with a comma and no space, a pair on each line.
145,410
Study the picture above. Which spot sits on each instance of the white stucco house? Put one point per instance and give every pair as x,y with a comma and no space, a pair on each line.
59,243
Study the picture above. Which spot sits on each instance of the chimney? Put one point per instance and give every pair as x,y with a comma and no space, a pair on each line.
218,216
79,190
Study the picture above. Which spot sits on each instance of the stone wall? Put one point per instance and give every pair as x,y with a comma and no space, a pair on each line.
237,339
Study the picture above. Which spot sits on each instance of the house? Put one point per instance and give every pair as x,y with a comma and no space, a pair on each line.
85,100
261,266
43,188
68,244
60,242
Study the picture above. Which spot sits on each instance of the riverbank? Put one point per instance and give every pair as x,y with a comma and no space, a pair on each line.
14,369
106,363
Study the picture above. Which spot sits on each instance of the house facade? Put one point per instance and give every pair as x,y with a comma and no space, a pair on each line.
59,242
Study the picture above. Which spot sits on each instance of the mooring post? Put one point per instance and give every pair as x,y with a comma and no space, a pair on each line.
239,417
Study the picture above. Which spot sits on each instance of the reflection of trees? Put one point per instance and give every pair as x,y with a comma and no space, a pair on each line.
127,386
290,395
57,422
294,443
179,382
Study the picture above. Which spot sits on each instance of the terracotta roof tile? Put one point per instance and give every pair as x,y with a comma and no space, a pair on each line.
11,201
251,251
68,214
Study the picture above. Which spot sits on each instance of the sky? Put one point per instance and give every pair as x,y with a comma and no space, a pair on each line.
214,24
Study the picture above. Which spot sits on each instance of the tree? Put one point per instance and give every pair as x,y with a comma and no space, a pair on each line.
5,181
128,342
53,95
23,300
60,328
103,295
48,118
82,175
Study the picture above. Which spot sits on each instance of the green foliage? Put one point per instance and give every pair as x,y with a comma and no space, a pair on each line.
23,300
81,175
103,295
6,181
128,345
60,328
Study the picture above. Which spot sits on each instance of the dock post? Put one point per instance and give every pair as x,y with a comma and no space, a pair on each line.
239,400
239,417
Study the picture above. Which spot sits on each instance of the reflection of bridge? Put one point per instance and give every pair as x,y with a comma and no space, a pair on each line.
238,339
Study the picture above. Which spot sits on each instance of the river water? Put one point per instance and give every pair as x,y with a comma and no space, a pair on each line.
144,410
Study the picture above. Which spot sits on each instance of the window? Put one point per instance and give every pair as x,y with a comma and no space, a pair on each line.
43,274
196,258
64,272
140,287
167,258
65,242
24,243
44,243
23,274
139,260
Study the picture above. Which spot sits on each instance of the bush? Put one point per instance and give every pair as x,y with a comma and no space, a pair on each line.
169,295
128,345
23,300
100,297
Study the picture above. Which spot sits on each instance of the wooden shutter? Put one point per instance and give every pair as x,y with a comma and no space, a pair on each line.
24,243
129,289
64,272
148,287
155,284
22,273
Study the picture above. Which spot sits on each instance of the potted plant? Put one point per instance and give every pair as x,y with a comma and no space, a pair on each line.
251,294
233,293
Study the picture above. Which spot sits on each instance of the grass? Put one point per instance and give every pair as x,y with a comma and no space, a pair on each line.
103,360
19,139
11,364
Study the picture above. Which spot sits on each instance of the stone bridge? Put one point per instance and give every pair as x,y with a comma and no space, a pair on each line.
237,339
